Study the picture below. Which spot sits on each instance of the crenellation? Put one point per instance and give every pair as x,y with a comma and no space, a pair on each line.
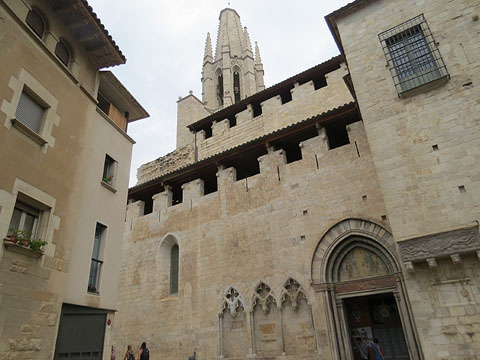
272,160
162,200
276,115
135,210
220,127
302,90
193,190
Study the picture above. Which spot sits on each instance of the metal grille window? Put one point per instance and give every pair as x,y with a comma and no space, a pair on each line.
96,265
30,112
412,55
174,257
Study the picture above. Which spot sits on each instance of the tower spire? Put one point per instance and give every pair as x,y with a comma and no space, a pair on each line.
232,74
248,43
208,55
258,59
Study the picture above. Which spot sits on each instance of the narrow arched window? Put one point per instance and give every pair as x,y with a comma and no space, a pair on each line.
63,53
236,86
220,89
174,269
36,22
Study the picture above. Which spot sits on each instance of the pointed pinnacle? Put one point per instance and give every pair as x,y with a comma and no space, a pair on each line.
246,36
258,59
208,47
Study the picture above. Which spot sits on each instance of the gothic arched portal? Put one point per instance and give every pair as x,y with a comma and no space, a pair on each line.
356,269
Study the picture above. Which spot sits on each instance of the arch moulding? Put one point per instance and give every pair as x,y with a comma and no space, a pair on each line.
346,228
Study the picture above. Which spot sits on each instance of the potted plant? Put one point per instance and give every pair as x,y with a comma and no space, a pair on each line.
108,179
24,237
37,244
13,235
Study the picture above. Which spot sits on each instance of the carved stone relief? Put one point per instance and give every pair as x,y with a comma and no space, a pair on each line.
298,329
233,323
267,322
440,245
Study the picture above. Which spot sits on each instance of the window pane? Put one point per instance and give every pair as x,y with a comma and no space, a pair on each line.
97,241
29,112
94,276
29,224
15,222
174,270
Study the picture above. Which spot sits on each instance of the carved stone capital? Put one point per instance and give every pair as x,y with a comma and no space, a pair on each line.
442,245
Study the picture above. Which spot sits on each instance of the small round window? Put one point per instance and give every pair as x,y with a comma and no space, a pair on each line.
63,53
36,22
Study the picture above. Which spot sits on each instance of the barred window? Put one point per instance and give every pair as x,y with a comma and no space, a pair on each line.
30,113
412,55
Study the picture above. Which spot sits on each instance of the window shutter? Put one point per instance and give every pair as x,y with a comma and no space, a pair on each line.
30,113
35,21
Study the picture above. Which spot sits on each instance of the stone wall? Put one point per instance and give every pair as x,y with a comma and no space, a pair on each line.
425,147
263,228
165,164
306,102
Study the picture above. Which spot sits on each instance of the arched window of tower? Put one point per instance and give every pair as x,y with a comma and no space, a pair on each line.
220,89
236,86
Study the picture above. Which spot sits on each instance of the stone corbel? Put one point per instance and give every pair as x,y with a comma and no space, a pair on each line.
409,266
456,259
432,263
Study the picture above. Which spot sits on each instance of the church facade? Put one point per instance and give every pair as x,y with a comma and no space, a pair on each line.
340,204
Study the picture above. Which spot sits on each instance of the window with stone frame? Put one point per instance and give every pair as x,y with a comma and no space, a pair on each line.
30,112
24,220
97,259
109,170
63,53
412,55
36,21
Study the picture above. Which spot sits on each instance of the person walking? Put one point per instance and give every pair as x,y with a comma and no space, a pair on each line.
363,348
377,350
143,353
112,354
129,355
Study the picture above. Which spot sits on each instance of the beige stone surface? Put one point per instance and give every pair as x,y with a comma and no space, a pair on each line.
256,229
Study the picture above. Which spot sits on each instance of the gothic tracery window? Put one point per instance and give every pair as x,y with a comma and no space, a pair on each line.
233,302
263,297
292,293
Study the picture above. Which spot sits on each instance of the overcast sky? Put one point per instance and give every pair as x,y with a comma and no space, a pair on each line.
164,40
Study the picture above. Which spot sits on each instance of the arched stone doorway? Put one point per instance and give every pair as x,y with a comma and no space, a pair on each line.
356,271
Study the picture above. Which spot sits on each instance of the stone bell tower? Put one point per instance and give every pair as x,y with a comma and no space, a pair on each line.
235,73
